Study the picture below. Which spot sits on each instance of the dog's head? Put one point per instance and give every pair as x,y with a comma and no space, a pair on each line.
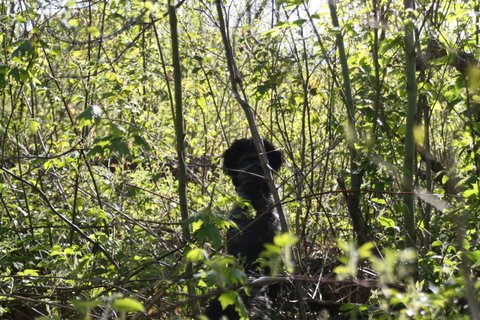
240,161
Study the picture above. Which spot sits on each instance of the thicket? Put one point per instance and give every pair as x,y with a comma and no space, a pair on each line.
112,197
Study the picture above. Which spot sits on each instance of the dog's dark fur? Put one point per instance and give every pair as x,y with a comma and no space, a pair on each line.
241,164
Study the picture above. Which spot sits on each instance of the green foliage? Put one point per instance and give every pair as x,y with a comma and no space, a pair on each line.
279,254
88,166
207,227
91,115
233,298
412,300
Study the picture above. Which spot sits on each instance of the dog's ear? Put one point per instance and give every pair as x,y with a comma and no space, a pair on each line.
275,157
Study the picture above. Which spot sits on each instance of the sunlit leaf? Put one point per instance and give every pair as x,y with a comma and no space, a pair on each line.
285,239
227,298
93,31
89,116
196,255
419,135
128,305
386,222
28,272
148,5
33,126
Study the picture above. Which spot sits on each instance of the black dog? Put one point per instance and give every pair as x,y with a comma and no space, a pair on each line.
241,164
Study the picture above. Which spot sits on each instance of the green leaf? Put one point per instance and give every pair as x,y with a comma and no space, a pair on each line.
228,298
117,130
20,75
70,4
419,134
73,22
196,225
299,22
437,243
119,146
473,192
196,255
86,304
128,305
386,222
365,251
56,251
148,5
342,272
33,126
96,150
474,257
379,200
89,116
207,227
271,249
262,89
24,49
214,235
28,272
285,239
139,140
93,31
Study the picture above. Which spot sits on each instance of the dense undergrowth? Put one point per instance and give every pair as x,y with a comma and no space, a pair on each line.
90,218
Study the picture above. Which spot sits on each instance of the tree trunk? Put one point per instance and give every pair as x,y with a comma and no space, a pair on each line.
180,138
409,156
353,197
